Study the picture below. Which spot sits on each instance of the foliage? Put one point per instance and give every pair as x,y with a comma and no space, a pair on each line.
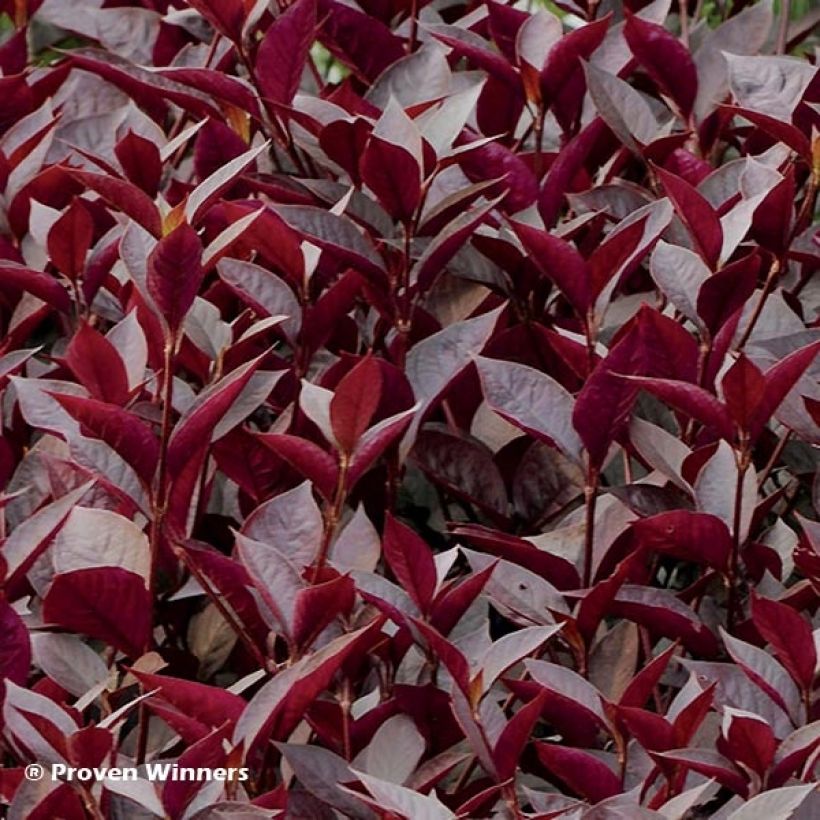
414,404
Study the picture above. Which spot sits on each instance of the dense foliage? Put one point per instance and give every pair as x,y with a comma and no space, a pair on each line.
416,404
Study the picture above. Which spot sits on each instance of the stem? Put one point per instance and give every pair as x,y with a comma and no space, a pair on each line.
590,332
590,498
90,804
742,466
774,272
774,458
684,21
345,705
332,517
538,129
235,624
783,28
160,497
159,504
414,26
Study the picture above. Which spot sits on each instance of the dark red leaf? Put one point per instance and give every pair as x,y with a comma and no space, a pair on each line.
411,561
106,603
125,433
587,775
284,50
98,365
70,238
354,402
175,274
665,59
696,213
790,636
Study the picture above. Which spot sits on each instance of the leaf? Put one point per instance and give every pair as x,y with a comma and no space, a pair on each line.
765,672
663,613
70,238
281,703
715,490
291,522
565,55
411,561
514,737
446,243
226,16
743,33
15,652
558,261
692,400
622,108
391,163
404,802
277,580
665,59
264,291
204,195
725,292
124,196
120,429
707,762
306,457
750,740
584,773
140,159
776,804
107,603
321,772
98,365
771,85
174,274
780,379
29,539
210,705
462,466
790,636
686,536
394,750
317,606
16,278
679,273
433,363
338,235
355,401
532,401
205,420
697,215
653,344
284,51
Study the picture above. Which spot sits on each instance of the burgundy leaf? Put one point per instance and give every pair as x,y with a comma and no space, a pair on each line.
15,655
284,50
665,59
125,433
696,213
174,274
107,603
124,196
16,278
558,260
790,636
70,238
354,402
308,458
585,774
98,365
411,561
